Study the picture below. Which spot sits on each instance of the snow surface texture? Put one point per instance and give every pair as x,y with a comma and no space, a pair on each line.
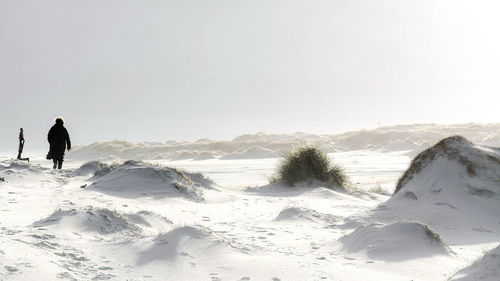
486,268
129,221
395,242
452,188
88,219
134,179
453,179
413,138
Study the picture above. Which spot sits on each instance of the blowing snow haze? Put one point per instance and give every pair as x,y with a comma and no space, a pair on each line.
158,70
184,116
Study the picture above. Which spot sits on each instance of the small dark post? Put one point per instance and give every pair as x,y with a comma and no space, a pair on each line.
21,146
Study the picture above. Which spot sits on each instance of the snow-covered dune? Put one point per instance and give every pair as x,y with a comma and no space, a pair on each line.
413,138
453,186
183,241
88,219
487,268
446,204
16,166
397,241
301,215
137,179
141,221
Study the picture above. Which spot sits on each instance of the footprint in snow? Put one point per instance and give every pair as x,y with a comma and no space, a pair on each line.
72,256
43,236
215,277
66,276
103,276
11,269
47,244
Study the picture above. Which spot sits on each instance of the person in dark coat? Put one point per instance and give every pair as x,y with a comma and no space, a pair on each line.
58,138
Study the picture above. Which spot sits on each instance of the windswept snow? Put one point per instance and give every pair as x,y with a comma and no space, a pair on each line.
457,183
487,268
479,162
137,220
135,179
87,219
452,188
301,215
395,242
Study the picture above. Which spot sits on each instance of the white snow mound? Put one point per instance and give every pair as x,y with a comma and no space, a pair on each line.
88,219
395,242
454,184
485,269
186,241
151,221
91,167
303,214
137,179
465,158
17,166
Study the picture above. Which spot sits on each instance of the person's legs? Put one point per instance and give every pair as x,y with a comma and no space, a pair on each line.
21,145
55,163
60,162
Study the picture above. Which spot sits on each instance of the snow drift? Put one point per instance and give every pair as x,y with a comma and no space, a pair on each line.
452,186
297,214
88,219
21,172
17,166
481,162
150,220
137,179
92,167
485,269
186,241
395,242
93,220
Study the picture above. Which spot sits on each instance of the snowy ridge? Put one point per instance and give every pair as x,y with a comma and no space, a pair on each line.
446,202
136,179
396,241
17,166
414,138
486,268
448,187
96,168
88,219
131,220
297,214
185,241
473,158
453,179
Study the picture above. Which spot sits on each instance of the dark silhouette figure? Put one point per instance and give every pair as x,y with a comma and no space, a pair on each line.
58,138
21,146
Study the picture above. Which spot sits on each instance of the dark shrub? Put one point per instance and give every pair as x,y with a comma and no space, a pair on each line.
310,163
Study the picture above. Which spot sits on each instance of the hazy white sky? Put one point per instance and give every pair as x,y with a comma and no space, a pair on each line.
161,69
